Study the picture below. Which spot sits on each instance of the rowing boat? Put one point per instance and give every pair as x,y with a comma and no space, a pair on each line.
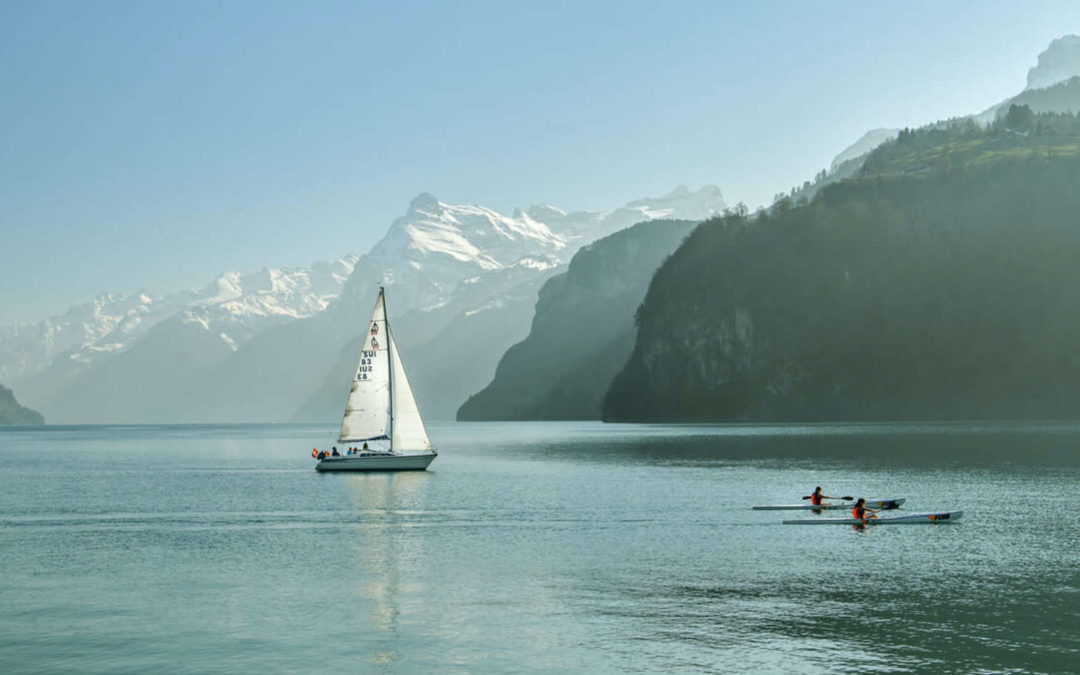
884,504
906,519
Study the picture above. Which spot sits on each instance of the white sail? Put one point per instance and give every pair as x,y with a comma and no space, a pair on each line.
367,410
408,429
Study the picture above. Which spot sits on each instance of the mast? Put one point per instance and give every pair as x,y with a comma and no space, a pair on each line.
390,367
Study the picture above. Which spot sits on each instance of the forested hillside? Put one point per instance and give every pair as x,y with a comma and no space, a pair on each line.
940,283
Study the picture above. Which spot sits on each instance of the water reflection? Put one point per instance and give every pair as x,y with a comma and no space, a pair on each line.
386,557
935,445
859,621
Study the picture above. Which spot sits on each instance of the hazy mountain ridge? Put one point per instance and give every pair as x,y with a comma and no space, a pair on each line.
47,358
937,284
453,338
1057,63
582,331
11,413
435,246
862,147
256,347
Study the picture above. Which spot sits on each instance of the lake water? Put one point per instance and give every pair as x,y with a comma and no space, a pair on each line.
559,547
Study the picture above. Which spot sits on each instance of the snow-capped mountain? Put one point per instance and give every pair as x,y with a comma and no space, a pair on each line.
461,281
584,227
236,306
46,357
106,324
469,234
434,247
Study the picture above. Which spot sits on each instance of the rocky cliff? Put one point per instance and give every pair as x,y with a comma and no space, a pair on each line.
582,331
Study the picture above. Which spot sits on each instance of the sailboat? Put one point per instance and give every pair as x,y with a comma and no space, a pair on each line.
380,410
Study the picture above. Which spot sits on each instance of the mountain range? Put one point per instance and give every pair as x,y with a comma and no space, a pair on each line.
462,282
58,362
275,345
557,373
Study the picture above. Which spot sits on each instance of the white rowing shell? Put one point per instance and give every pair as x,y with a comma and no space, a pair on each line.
909,519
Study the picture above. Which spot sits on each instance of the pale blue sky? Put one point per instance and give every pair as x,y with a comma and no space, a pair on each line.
156,144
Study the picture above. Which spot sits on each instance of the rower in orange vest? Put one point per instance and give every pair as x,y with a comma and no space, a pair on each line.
816,498
860,511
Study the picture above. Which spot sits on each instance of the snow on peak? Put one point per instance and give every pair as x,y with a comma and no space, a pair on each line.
682,203
466,234
467,238
234,304
545,212
436,249
268,293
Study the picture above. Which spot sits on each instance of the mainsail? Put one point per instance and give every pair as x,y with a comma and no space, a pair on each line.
408,429
381,403
367,409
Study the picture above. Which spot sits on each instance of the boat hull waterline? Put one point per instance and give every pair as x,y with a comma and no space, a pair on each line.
379,462
907,519
884,504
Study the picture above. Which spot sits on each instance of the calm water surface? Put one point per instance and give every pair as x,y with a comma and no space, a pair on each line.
538,547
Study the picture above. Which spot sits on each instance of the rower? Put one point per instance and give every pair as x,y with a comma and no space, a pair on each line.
816,498
859,512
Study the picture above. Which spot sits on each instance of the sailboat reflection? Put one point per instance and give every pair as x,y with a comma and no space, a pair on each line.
384,505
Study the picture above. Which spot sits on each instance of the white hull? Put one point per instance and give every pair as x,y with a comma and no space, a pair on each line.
376,462
910,519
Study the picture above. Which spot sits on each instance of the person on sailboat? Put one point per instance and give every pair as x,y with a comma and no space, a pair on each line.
334,452
366,446
860,511
816,498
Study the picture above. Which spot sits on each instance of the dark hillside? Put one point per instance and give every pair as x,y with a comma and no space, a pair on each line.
11,413
941,283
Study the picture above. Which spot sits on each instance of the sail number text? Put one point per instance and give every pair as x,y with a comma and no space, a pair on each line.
367,364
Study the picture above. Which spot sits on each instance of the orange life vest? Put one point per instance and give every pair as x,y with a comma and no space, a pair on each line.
859,513
815,499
